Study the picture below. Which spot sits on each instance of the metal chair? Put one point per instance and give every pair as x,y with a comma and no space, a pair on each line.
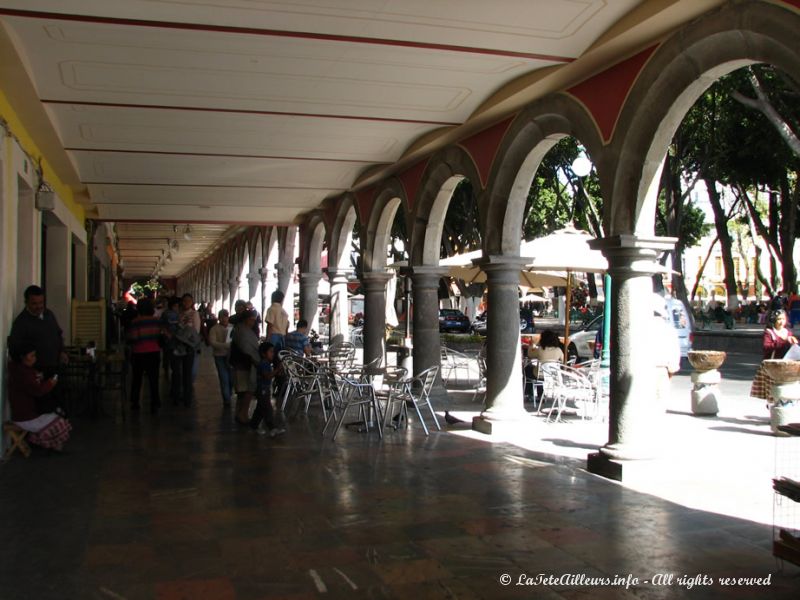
452,362
563,383
415,391
480,389
348,394
341,356
112,378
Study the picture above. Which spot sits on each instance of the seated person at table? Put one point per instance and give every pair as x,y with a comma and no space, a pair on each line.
26,385
297,340
264,376
550,349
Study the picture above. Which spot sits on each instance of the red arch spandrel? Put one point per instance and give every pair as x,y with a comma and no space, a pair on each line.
411,178
365,199
482,147
604,94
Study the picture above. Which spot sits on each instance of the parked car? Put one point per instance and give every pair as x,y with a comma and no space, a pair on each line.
679,316
451,319
479,325
581,341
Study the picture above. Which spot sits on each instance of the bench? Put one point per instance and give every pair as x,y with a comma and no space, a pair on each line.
17,435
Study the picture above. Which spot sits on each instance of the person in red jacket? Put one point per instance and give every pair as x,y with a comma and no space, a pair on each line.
25,386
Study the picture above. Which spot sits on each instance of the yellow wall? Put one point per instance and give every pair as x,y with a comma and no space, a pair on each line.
29,145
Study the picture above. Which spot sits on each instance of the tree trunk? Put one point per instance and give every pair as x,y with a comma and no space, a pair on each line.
788,212
702,268
725,243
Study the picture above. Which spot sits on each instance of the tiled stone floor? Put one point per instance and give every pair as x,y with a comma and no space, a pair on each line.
186,506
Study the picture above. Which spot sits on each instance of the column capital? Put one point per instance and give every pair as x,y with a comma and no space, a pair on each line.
310,278
502,269
425,276
630,254
375,278
254,276
234,281
338,276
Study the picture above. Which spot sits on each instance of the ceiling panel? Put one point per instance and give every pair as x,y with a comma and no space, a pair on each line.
255,111
148,169
559,27
142,245
98,127
121,64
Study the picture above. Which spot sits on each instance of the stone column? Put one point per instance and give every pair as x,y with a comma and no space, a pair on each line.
253,279
634,413
425,318
374,314
504,393
285,274
264,301
340,308
309,302
233,288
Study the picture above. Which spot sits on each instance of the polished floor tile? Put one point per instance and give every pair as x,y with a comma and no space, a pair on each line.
186,505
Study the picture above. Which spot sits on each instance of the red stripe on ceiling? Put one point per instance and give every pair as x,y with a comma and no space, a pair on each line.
306,35
212,154
208,185
199,222
482,147
242,111
604,94
411,178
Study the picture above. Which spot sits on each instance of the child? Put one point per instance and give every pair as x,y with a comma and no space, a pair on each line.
264,376
25,386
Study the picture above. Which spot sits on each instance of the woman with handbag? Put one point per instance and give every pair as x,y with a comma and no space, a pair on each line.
777,341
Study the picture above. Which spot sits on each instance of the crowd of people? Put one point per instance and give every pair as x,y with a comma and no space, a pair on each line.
171,331
166,332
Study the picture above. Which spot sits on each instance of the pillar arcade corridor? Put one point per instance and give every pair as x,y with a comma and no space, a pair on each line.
230,149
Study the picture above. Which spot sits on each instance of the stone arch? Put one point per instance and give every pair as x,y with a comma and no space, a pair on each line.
256,264
530,137
678,72
443,173
389,200
316,245
341,234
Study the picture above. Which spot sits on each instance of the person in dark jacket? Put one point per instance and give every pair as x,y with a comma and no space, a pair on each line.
26,386
37,326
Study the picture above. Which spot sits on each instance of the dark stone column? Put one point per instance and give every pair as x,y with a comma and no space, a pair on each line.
425,290
309,302
374,284
504,393
340,308
634,413
233,287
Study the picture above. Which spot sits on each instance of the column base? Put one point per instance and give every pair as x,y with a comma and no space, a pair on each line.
616,469
491,422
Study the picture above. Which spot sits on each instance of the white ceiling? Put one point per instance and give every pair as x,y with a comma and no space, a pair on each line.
254,111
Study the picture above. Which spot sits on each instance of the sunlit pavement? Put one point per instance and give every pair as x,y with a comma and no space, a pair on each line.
188,506
721,464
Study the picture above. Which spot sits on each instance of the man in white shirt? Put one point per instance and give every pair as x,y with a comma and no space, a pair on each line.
277,322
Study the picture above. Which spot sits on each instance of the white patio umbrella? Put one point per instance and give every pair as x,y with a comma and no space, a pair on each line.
533,298
564,250
460,266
